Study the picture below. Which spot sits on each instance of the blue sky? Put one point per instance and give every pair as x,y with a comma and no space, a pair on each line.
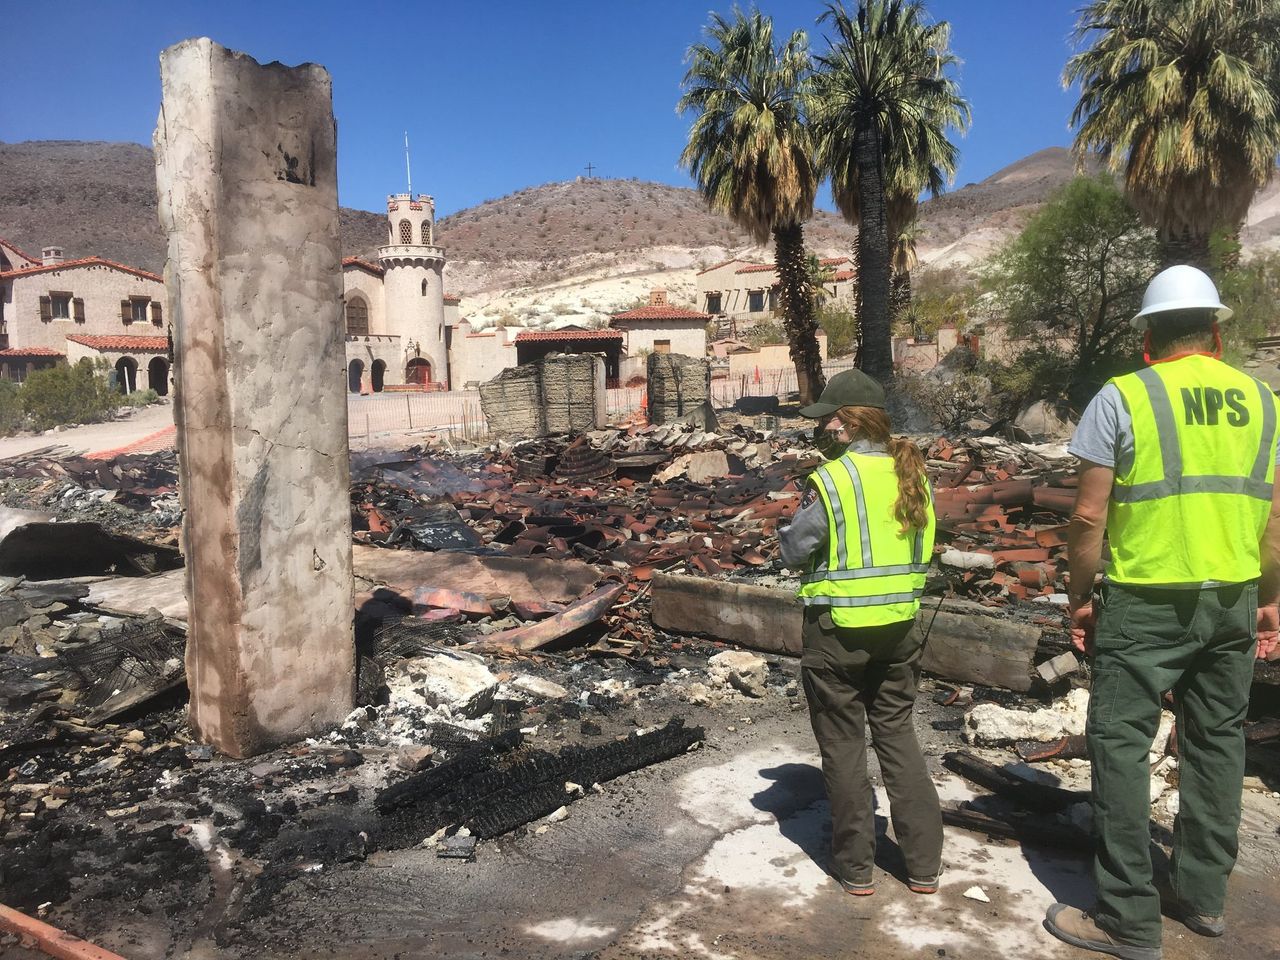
495,96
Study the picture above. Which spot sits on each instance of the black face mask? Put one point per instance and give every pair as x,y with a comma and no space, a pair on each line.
827,444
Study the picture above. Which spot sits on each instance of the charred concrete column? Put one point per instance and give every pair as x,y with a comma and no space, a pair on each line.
246,175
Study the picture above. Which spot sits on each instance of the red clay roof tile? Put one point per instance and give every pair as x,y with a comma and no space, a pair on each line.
667,312
119,342
31,352
525,336
83,262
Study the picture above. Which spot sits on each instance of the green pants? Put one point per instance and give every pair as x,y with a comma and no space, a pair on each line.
1199,644
853,677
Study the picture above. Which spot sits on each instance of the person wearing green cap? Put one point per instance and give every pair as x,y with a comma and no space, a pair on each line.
863,536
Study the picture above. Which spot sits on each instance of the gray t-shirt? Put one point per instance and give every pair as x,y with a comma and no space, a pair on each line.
1105,433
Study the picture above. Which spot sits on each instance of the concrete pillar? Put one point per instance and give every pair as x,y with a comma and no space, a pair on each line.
246,176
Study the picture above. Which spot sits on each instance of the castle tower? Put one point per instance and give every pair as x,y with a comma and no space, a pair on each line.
413,287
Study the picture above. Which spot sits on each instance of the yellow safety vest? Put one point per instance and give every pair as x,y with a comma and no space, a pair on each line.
1193,505
873,573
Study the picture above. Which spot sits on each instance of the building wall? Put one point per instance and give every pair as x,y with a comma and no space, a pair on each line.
772,356
479,357
101,287
357,282
687,337
415,316
141,358
371,348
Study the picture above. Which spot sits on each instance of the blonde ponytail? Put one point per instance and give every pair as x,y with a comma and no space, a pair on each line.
912,506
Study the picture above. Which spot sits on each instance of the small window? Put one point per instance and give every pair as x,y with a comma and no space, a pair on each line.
662,346
424,287
138,309
713,303
755,301
60,306
406,231
426,232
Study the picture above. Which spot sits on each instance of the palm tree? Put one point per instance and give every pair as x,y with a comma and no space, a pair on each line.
882,105
750,154
1181,97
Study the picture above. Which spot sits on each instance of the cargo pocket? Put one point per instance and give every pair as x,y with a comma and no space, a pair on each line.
1103,690
1163,620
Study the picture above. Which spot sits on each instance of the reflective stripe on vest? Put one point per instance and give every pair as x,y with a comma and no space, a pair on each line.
871,573
1192,506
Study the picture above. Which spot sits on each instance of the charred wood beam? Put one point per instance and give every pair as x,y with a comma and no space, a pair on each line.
1039,797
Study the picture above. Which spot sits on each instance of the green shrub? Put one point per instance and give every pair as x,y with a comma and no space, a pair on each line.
841,327
11,416
67,395
765,332
140,398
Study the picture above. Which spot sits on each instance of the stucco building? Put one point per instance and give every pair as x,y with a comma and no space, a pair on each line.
659,327
745,290
399,320
53,309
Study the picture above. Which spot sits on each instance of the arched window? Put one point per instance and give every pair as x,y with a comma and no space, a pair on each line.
406,231
357,317
426,232
424,287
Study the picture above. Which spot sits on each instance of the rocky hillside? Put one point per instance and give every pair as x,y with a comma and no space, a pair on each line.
100,198
540,244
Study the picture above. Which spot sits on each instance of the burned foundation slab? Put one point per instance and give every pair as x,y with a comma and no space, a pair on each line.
562,393
246,176
679,387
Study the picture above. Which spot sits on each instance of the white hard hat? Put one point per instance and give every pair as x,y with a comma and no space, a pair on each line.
1179,288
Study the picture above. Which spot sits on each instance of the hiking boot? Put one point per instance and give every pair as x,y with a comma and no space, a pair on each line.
857,889
924,885
1079,929
1202,923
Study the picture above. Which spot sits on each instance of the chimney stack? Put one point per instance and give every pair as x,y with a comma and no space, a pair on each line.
51,255
657,297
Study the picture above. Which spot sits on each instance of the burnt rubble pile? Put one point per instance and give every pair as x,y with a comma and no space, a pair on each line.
135,492
509,663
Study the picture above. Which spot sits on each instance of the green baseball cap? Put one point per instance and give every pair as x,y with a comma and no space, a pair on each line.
852,388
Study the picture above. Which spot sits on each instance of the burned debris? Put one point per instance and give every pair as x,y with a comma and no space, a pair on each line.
532,621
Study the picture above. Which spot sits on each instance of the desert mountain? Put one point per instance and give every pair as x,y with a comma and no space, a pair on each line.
560,249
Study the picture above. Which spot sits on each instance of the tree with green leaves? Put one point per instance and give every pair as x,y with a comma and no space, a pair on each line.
883,102
1182,97
1077,273
750,154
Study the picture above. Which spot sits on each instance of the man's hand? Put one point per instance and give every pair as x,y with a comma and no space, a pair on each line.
1268,630
1082,623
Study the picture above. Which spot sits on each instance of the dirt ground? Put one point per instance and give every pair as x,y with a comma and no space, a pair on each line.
717,854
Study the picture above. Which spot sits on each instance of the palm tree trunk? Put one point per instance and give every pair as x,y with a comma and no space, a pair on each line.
797,309
1184,248
873,256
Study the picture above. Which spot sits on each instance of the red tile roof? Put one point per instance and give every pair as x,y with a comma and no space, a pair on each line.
83,262
722,263
525,336
761,267
119,342
453,298
22,253
662,313
31,352
841,275
373,268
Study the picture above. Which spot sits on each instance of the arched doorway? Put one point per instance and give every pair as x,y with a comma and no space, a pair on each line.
377,373
418,371
127,375
355,370
158,375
